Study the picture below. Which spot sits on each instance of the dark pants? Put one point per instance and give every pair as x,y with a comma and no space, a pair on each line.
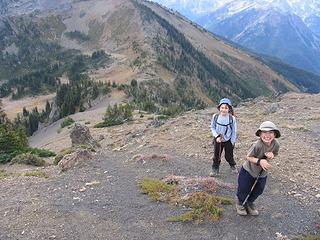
228,152
245,182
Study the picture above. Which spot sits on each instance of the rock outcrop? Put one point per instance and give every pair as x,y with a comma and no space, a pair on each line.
75,158
80,135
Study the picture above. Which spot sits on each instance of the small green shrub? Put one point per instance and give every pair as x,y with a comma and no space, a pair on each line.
155,188
66,122
41,152
162,117
5,158
29,159
101,125
3,174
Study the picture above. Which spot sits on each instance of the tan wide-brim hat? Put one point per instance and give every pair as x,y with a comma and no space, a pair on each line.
268,126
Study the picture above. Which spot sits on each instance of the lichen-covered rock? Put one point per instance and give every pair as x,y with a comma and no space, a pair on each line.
80,135
73,159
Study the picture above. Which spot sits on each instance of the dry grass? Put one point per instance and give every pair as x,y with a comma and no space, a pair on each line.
36,173
3,174
203,205
143,158
206,184
12,107
297,128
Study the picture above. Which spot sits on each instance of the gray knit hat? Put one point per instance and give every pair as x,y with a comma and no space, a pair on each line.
268,126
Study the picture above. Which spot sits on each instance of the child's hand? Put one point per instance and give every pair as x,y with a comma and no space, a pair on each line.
269,155
219,139
264,164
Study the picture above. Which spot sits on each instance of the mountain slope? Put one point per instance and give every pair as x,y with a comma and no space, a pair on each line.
174,62
304,80
283,29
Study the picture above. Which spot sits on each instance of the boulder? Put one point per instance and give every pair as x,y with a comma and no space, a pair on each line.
73,159
80,135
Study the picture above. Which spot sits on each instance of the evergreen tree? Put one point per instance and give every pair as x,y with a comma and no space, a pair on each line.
3,116
48,108
13,139
25,112
33,121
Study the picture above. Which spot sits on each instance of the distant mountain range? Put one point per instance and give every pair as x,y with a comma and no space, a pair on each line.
286,29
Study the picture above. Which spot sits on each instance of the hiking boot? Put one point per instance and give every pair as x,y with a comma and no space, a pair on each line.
252,210
241,210
234,169
214,172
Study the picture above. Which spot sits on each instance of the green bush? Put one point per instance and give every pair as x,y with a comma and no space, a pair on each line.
29,159
40,152
162,117
116,115
66,122
101,125
4,158
12,142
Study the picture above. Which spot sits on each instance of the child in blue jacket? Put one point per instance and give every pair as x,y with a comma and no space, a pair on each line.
224,131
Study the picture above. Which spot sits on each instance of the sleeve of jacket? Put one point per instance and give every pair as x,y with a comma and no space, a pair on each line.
213,127
234,131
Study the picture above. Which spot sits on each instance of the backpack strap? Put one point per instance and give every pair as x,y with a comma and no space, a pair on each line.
215,118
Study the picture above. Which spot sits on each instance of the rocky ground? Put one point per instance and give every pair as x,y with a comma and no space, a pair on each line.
100,198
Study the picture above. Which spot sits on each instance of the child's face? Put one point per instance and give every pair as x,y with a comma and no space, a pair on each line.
267,136
224,109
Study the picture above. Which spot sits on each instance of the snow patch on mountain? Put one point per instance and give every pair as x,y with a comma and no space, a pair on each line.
302,8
